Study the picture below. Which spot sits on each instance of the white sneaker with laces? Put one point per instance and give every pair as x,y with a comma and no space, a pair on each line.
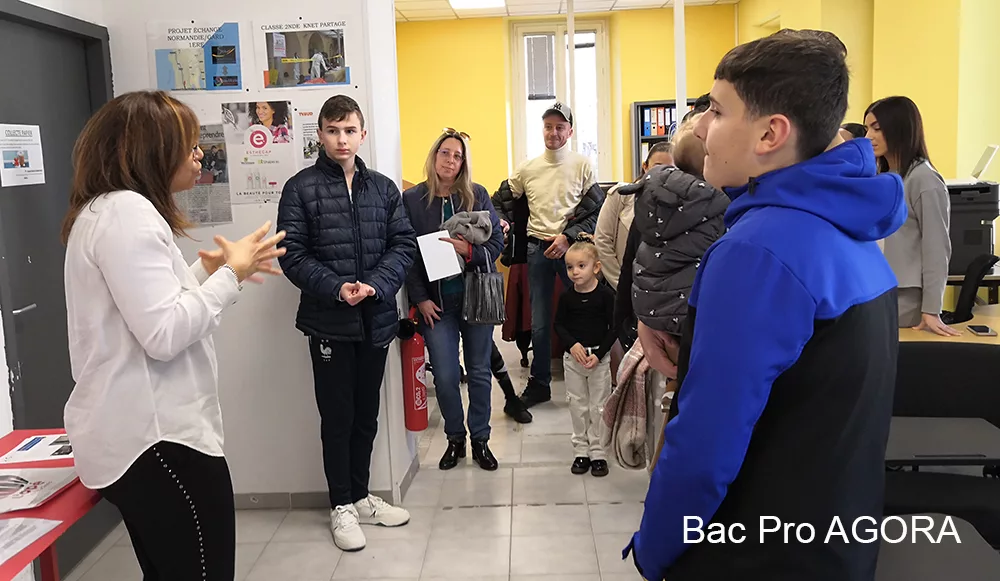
375,511
347,533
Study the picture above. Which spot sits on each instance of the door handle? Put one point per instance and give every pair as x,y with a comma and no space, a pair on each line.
23,310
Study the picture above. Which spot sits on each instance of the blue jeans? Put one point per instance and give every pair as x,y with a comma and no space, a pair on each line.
542,274
477,344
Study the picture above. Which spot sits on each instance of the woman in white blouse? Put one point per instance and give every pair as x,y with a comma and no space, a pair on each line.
144,417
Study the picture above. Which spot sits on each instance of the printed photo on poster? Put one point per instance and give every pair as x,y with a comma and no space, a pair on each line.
209,202
308,123
260,148
195,57
21,151
303,54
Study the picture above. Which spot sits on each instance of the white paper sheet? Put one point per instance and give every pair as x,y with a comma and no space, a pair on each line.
21,149
39,448
440,258
17,534
28,488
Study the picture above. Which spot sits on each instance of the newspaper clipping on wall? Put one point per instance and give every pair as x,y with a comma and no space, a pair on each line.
261,146
309,127
210,203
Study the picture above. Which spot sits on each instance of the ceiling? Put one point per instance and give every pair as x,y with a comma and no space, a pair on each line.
408,10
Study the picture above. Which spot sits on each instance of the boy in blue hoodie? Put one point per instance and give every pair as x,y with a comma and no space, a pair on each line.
788,355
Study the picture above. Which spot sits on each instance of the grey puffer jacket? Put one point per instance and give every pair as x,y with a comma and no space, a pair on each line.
679,216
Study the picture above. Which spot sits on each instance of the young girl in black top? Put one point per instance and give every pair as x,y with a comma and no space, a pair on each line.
585,326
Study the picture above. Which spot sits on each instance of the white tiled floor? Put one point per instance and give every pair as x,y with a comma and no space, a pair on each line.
532,520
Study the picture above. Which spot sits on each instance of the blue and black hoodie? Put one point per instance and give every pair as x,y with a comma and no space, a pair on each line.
787,370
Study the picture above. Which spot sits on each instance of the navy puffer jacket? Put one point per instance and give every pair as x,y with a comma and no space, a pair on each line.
332,240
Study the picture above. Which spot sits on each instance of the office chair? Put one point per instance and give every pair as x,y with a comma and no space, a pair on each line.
950,380
974,276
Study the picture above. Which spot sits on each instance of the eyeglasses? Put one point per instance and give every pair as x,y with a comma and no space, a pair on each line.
453,131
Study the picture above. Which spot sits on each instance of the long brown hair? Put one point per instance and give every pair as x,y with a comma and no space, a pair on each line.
903,130
463,181
135,142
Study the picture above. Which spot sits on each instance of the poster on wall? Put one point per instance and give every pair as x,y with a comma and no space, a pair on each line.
195,56
303,54
21,149
260,143
308,122
209,202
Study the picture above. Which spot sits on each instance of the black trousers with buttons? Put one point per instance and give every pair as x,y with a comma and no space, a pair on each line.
177,505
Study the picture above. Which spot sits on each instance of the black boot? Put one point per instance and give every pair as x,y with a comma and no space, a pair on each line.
483,456
535,393
514,408
455,451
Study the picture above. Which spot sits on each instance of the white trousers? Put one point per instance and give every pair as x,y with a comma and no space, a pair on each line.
587,390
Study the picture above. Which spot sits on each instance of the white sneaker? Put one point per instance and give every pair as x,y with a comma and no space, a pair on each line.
347,534
375,511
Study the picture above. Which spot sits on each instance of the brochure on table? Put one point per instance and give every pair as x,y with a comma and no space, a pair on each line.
21,489
40,448
17,534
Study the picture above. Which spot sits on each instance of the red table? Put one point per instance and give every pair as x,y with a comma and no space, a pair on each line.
68,506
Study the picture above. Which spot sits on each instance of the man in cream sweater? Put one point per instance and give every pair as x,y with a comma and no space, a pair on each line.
563,200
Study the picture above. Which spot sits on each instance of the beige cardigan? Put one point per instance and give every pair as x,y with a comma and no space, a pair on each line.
611,233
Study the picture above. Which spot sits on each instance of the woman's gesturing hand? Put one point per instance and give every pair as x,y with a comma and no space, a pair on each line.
252,253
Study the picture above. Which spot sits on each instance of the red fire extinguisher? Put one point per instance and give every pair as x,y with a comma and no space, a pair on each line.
414,374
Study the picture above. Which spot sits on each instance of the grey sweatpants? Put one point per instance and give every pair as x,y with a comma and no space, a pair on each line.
587,390
910,304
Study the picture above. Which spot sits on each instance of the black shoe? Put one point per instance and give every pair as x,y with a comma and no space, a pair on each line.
599,468
580,465
482,455
517,412
455,451
534,393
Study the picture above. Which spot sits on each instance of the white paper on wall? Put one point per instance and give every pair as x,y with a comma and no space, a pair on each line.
303,54
194,56
21,150
260,137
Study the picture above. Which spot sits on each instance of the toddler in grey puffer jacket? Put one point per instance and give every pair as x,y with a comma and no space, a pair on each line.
679,217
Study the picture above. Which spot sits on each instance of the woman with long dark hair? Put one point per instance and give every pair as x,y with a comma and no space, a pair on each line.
920,250
144,416
274,116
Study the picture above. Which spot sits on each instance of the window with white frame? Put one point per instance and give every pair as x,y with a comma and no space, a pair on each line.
540,64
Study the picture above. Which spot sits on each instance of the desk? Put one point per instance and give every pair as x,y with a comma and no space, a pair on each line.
989,316
942,442
972,560
68,507
991,283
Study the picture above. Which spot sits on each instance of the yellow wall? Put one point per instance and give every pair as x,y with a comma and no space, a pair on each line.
923,67
452,73
754,12
853,21
646,68
455,73
978,84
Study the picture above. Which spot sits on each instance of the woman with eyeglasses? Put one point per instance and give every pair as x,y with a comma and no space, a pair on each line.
448,191
144,416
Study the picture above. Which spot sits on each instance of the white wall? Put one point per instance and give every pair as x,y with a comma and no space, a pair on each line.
89,10
265,375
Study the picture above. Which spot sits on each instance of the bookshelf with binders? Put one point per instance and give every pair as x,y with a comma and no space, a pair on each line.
652,121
